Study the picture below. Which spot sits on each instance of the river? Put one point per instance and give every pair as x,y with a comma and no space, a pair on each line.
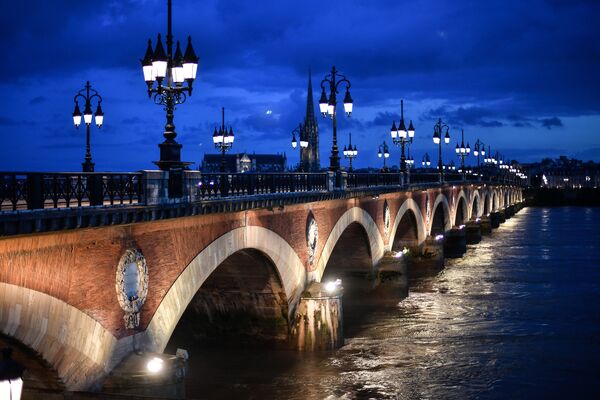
517,317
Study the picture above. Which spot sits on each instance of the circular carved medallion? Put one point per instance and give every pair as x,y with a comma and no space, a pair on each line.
386,218
312,238
132,286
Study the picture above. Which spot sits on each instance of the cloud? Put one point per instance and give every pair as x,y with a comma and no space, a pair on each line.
38,100
473,116
550,123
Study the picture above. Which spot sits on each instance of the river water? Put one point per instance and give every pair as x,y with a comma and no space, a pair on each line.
517,317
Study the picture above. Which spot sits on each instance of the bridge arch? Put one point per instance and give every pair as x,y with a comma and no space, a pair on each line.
475,205
353,215
440,221
408,210
76,346
495,201
461,211
289,267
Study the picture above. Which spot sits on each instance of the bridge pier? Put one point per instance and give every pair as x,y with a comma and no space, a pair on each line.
392,277
429,258
132,377
455,243
319,318
485,225
473,232
509,211
495,220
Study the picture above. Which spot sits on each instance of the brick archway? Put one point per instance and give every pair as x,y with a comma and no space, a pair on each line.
289,267
355,214
78,347
409,204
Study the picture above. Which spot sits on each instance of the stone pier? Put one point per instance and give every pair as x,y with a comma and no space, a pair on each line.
392,277
495,220
429,258
473,232
455,243
318,323
485,225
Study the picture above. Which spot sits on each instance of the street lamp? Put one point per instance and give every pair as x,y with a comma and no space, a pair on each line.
410,162
169,72
303,142
462,151
349,152
478,150
11,383
87,94
383,153
223,139
425,161
437,139
328,106
401,136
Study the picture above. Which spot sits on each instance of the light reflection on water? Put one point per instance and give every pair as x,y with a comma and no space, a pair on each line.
516,317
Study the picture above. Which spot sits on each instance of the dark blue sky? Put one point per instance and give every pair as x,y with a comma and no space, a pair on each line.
522,76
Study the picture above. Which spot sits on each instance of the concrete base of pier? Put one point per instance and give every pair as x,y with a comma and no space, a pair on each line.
133,376
319,315
509,211
495,220
485,225
455,243
473,232
392,278
430,258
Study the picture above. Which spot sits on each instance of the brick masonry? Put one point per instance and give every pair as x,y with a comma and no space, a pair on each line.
75,270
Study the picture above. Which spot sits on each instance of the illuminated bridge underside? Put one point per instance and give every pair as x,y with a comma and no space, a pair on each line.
57,290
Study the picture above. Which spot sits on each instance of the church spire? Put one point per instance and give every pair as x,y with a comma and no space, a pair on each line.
310,107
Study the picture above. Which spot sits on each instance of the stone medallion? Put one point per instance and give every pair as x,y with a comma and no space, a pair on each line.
132,286
386,219
312,237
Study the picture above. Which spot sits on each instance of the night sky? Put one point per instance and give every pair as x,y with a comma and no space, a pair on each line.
523,76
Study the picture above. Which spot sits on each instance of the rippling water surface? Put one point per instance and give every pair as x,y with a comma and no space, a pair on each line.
517,317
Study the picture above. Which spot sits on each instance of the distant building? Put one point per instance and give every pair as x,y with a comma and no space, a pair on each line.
564,172
245,162
309,156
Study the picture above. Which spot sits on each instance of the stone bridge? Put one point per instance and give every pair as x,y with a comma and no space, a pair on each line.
84,299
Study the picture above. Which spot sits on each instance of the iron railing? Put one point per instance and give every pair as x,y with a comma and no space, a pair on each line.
213,185
37,190
360,180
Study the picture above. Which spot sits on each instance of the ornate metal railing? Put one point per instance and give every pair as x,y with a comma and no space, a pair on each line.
213,185
424,177
360,180
36,190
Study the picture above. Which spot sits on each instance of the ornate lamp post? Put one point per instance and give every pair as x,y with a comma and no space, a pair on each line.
462,152
384,153
169,71
223,139
437,139
478,150
349,152
401,136
425,161
328,106
87,94
410,162
303,143
11,383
